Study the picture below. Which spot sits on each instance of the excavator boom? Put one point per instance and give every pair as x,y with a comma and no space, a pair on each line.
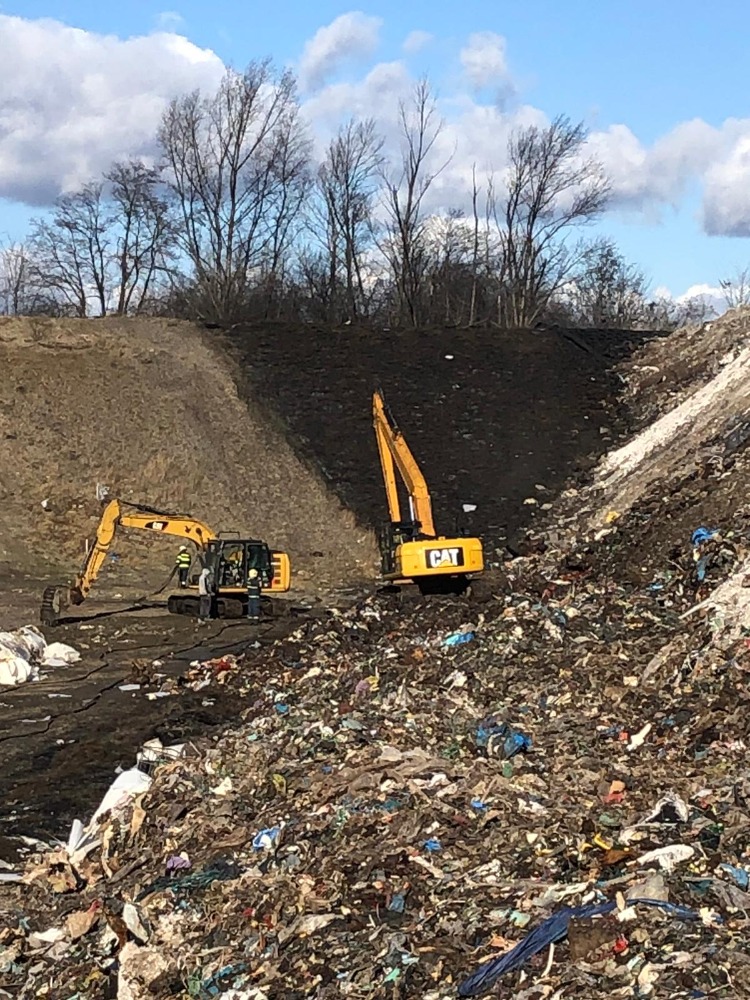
411,550
117,514
395,454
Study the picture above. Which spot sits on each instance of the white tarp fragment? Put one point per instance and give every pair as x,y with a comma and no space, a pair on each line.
127,786
24,651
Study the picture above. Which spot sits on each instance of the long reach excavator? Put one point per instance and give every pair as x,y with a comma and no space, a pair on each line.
411,550
229,558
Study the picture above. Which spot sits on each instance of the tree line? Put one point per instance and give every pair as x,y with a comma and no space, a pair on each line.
236,221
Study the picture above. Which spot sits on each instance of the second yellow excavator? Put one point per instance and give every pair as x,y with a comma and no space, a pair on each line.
411,551
229,558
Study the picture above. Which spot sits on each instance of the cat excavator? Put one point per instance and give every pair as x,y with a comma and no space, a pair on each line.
411,550
229,558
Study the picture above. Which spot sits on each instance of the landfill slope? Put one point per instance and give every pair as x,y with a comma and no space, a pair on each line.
150,409
498,419
689,464
396,812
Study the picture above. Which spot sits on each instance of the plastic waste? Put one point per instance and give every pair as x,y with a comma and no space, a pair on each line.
267,839
501,739
740,875
58,654
458,638
554,929
668,857
23,651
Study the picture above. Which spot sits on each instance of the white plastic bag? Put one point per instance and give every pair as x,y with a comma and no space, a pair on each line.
14,669
57,654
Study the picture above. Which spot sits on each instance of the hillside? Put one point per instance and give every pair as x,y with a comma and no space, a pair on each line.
151,410
496,418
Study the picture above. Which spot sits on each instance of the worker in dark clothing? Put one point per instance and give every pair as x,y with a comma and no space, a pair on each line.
253,595
183,564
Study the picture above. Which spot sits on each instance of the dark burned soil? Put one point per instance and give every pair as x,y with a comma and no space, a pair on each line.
494,417
62,738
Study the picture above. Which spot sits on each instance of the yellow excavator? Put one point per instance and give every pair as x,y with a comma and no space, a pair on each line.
229,558
411,550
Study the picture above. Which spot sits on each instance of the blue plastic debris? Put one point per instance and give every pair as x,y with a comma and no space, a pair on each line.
550,931
397,903
479,805
281,708
264,840
458,638
740,875
701,535
489,735
432,845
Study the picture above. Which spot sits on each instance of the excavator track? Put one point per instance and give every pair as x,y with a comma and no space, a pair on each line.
49,613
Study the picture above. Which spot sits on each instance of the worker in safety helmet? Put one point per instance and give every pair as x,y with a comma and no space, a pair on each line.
253,595
183,564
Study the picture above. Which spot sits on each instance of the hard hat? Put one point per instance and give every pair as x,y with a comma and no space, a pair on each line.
183,548
252,574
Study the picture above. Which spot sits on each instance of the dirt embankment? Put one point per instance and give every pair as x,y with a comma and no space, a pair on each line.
495,418
151,410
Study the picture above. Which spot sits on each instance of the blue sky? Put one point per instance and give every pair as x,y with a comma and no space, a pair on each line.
647,65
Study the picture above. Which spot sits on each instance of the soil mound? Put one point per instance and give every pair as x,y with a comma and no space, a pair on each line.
151,410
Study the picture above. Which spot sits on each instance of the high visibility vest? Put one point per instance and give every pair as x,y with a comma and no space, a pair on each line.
184,559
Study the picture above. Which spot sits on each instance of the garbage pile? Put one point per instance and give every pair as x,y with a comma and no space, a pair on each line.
24,651
545,795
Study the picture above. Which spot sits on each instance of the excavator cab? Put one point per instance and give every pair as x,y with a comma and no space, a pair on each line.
233,558
230,560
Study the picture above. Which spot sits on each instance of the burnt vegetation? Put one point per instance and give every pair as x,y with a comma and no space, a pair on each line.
237,221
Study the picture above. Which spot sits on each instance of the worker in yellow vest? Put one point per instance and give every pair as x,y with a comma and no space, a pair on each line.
183,564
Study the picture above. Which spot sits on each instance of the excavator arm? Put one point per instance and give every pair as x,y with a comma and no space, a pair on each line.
118,514
396,456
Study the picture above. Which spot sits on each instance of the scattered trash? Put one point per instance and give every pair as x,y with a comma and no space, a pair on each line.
25,651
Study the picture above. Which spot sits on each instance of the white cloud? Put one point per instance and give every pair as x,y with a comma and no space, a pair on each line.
72,101
726,197
415,41
711,296
169,20
351,36
484,60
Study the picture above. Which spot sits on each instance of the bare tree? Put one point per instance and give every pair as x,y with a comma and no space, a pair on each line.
608,293
71,250
20,293
737,288
406,190
346,186
236,160
552,189
144,233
